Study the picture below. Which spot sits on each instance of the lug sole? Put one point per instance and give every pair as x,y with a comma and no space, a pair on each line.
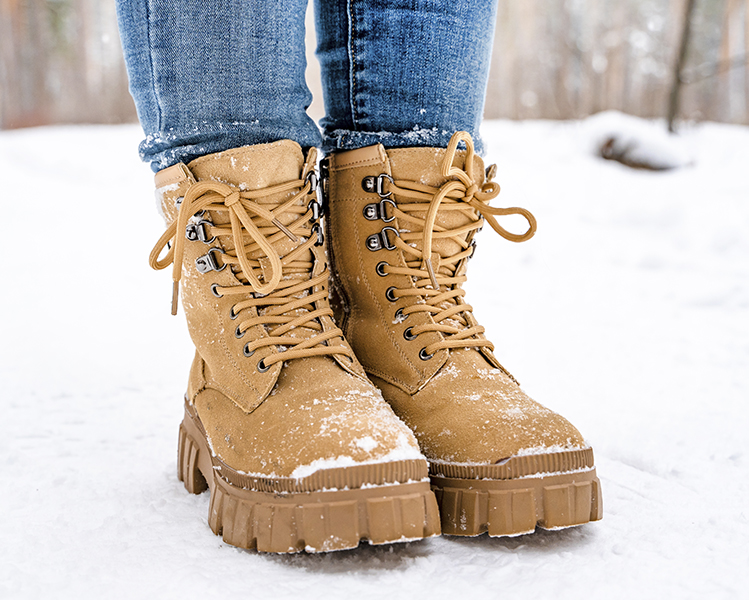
512,507
315,521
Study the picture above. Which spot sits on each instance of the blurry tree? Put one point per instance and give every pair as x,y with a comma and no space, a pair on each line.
571,58
681,56
60,60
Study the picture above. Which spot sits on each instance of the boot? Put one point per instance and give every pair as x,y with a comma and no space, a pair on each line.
402,227
297,447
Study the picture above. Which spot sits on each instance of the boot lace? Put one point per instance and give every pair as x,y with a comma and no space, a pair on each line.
438,279
285,292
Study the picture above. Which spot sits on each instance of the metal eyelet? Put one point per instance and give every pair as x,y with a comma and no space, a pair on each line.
232,314
316,229
408,335
370,212
247,352
423,354
383,213
239,334
208,262
376,185
261,366
377,210
378,241
196,232
311,179
315,208
390,294
214,290
399,316
380,268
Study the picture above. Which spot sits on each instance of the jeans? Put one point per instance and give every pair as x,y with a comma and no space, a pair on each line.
207,76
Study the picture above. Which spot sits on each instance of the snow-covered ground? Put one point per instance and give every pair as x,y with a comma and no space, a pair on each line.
628,313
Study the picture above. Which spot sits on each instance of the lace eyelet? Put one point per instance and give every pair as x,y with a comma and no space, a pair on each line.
239,334
380,268
214,290
261,366
389,294
423,354
408,335
399,316
232,314
317,230
312,180
247,352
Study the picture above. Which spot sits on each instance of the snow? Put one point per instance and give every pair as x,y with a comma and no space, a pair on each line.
402,451
628,312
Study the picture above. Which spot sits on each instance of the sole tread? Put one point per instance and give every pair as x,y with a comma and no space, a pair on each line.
317,521
511,507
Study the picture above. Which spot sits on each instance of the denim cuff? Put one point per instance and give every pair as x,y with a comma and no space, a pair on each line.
164,149
345,139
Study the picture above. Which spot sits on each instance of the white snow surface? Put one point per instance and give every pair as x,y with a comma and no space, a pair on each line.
404,450
628,313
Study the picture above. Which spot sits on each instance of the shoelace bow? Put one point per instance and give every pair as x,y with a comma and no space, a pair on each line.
287,300
435,276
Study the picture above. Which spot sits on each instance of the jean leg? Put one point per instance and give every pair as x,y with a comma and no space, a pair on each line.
207,76
403,72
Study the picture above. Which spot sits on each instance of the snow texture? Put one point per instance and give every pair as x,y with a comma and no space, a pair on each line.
403,451
628,313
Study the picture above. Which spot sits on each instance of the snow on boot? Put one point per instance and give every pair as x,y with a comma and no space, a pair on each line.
401,229
298,448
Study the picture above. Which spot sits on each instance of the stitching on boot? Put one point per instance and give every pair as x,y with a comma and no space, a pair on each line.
340,164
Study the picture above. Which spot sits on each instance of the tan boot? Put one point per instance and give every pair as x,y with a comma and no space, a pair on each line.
298,448
402,224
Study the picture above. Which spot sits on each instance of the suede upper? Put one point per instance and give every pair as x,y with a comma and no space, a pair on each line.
463,406
296,415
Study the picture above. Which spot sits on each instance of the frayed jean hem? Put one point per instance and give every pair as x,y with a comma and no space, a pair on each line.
435,137
168,148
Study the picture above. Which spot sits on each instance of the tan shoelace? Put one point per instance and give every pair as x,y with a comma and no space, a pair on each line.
435,277
286,298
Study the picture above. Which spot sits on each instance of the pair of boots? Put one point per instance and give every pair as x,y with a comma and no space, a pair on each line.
381,414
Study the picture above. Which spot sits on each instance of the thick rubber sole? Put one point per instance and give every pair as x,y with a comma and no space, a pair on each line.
517,505
311,521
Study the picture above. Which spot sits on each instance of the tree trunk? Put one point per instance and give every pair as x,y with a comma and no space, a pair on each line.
673,101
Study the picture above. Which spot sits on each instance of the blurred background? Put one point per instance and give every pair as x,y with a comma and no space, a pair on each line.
60,61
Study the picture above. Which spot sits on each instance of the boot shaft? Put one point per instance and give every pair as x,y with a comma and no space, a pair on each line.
379,206
247,248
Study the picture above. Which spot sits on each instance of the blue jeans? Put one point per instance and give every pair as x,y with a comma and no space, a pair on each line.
207,76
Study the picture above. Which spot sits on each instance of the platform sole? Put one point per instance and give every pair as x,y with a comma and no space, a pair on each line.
517,505
312,521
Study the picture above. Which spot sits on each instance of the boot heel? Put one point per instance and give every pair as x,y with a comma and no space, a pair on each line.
187,464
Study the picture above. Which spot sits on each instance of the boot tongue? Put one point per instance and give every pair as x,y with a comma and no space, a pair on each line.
424,166
252,167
